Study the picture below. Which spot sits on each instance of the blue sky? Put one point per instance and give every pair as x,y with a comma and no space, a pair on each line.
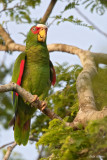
66,33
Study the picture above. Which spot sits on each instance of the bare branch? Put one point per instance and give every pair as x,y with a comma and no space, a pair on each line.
28,97
12,46
48,11
98,57
5,36
9,151
91,23
9,43
31,138
6,144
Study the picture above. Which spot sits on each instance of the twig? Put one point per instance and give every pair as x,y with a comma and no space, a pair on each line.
51,22
90,22
6,144
11,8
40,152
9,150
48,11
31,138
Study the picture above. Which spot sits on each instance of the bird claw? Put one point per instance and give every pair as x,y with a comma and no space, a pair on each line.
43,105
34,99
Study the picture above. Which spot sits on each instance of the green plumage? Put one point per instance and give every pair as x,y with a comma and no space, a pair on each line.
35,79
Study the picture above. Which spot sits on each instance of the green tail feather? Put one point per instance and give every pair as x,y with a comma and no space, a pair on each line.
21,131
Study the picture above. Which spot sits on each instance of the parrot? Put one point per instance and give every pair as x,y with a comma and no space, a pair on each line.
34,72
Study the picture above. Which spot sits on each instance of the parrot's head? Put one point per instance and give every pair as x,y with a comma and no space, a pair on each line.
37,34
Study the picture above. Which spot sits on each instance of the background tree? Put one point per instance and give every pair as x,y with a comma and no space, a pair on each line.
80,98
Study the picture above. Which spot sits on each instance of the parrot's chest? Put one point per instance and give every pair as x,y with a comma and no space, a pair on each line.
36,79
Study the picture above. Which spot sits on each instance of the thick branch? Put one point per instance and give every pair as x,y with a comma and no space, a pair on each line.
5,36
9,43
12,46
28,97
48,11
98,57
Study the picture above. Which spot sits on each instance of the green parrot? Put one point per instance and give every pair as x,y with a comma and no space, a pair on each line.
34,72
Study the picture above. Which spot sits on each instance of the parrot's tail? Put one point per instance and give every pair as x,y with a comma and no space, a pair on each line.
21,131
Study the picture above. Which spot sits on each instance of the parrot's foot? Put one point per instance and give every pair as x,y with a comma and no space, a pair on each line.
34,99
43,105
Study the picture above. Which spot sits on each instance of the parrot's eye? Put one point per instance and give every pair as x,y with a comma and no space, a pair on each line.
34,29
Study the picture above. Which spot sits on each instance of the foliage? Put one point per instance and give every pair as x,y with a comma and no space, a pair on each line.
20,11
67,144
98,5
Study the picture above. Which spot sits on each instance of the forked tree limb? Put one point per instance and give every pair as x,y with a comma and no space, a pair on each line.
9,150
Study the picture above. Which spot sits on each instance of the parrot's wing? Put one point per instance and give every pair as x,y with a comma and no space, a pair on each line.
18,73
52,74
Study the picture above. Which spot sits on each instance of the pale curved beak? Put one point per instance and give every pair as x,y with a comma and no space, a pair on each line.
42,35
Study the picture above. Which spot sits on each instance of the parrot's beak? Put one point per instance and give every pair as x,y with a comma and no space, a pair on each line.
42,35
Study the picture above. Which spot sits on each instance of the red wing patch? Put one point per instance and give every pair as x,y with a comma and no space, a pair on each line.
20,74
53,77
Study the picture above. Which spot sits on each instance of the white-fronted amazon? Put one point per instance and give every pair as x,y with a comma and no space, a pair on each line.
35,73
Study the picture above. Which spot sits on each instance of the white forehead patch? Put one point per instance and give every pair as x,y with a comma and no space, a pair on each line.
42,26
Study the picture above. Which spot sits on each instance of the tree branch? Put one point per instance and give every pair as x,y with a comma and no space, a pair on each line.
87,108
91,23
48,11
12,46
9,151
6,144
98,57
28,97
10,148
9,43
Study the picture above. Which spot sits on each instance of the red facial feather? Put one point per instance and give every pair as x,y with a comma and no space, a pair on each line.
21,73
35,29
